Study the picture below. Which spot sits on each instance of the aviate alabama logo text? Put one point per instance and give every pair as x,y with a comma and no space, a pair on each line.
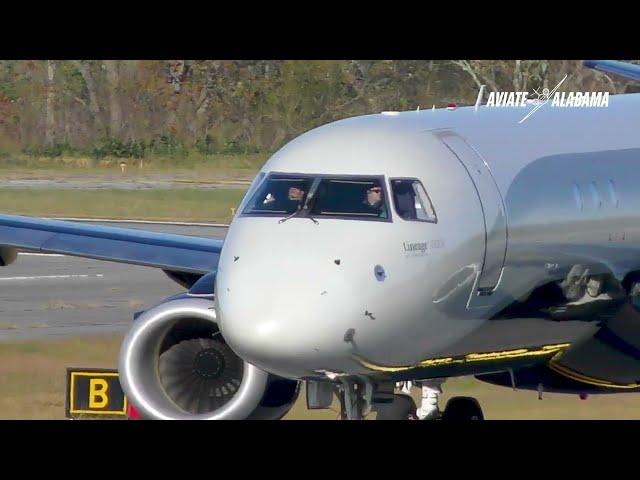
558,99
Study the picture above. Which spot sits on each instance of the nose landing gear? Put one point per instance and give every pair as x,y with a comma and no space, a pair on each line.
404,408
401,408
359,397
431,391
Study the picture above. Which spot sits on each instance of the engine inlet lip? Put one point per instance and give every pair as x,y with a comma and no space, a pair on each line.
157,321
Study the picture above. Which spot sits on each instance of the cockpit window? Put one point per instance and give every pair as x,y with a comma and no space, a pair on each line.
362,198
251,190
344,197
279,194
411,200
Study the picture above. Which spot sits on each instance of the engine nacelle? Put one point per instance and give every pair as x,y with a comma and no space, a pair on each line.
175,364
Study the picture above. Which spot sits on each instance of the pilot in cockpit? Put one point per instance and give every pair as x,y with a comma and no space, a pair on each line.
296,193
374,202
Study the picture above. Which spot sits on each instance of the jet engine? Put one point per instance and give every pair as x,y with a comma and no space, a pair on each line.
175,364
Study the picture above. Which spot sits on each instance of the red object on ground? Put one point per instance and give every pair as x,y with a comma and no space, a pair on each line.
132,413
584,396
452,106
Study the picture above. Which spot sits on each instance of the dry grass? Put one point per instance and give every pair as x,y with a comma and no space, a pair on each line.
33,374
185,204
32,382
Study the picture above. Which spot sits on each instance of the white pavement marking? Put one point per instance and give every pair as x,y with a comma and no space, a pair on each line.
41,254
41,277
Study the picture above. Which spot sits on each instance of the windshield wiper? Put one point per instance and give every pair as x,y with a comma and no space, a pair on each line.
310,217
298,210
308,200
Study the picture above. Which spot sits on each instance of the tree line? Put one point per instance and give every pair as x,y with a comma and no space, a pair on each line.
136,108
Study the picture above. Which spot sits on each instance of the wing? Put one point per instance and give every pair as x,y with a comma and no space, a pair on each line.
175,253
624,69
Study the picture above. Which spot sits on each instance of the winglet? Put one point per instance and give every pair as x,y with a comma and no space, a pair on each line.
627,70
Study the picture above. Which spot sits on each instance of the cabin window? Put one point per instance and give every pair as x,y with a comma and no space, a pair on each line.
315,196
411,200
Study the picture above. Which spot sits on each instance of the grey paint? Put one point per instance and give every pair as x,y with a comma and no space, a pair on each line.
492,209
429,303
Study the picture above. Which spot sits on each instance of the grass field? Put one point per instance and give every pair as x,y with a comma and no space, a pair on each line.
194,166
184,204
32,386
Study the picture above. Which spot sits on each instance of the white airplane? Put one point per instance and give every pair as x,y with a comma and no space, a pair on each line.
394,248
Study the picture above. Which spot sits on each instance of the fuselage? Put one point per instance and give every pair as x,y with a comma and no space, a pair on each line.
514,203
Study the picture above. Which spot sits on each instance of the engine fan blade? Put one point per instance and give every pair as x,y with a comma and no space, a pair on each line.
200,375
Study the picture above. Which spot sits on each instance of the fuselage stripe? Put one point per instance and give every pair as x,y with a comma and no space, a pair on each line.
470,357
579,377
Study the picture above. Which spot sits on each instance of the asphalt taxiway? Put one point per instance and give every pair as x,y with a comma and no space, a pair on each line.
53,296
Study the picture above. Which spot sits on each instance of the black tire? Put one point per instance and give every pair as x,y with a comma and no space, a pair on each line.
402,408
462,409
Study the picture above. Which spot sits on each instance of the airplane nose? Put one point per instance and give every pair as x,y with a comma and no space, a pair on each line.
276,344
285,336
288,311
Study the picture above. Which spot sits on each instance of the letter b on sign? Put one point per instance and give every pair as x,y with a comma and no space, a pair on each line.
98,388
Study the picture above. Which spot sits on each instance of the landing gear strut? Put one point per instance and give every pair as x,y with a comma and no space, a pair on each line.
403,407
431,391
358,397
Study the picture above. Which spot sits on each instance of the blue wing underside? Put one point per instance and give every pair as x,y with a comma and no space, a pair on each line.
624,69
173,253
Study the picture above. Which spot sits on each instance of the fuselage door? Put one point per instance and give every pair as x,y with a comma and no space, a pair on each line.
492,207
